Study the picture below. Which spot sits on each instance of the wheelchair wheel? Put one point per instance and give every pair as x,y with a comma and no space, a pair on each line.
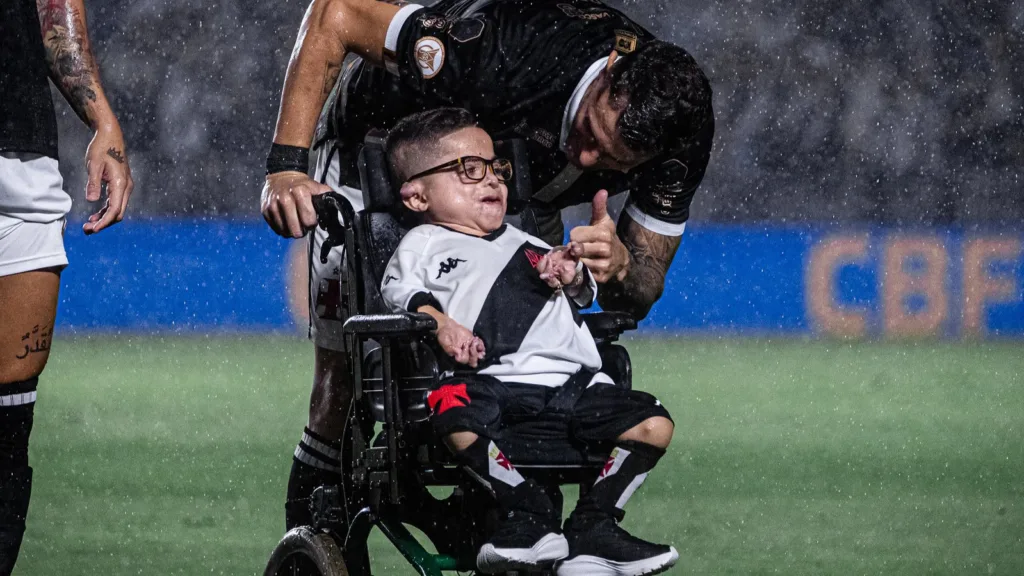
303,552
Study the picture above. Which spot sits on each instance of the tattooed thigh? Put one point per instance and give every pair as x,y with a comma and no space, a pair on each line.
28,306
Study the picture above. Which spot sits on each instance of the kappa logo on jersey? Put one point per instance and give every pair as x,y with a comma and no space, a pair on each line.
448,266
447,397
429,53
533,257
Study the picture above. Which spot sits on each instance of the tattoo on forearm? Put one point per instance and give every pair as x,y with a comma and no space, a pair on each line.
330,77
116,155
651,255
67,52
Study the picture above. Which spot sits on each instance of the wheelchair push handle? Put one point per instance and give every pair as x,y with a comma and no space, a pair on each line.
333,211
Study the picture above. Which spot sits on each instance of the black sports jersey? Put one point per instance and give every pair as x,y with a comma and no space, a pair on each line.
532,334
27,119
521,67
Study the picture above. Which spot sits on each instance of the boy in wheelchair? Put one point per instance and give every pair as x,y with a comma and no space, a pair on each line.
506,306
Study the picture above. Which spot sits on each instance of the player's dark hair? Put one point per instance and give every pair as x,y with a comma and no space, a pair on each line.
423,129
668,98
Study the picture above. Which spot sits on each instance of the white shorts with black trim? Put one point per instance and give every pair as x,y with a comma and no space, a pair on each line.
325,315
32,209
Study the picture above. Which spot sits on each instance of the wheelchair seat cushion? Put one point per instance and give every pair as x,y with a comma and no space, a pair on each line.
380,232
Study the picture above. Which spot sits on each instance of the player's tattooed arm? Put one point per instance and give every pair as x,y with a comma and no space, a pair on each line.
68,53
330,29
73,69
651,256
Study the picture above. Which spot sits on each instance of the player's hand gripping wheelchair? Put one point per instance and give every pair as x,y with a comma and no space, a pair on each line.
389,454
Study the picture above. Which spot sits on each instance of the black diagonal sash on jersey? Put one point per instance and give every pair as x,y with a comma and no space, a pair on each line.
516,298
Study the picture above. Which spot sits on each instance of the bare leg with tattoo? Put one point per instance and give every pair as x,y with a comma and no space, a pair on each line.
43,40
28,305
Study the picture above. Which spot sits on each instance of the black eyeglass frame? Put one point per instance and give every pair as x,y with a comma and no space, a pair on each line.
459,163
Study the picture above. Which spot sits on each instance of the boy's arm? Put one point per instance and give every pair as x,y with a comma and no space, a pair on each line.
456,340
562,268
404,289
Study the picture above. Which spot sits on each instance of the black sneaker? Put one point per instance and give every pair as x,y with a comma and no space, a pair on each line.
524,540
605,549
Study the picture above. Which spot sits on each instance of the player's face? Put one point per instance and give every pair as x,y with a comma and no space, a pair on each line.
453,198
593,142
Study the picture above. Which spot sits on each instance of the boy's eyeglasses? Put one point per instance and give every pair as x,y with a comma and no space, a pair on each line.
473,168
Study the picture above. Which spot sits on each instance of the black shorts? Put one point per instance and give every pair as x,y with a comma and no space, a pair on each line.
500,410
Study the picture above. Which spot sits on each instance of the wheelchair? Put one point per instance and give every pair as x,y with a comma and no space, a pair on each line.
390,457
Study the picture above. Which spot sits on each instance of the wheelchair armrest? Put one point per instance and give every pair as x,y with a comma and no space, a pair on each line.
385,325
609,324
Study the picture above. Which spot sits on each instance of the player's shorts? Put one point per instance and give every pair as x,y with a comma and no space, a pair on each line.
32,209
325,313
494,409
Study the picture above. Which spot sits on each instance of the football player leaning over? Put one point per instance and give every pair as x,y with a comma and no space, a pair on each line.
506,309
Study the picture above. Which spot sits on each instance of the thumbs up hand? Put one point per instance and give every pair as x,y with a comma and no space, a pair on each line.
602,251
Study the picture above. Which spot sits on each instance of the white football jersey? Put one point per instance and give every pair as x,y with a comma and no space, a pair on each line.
532,334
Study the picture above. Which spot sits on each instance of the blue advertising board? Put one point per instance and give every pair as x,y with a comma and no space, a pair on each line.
229,276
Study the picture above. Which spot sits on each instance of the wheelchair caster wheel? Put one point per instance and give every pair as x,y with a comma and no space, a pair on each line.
303,552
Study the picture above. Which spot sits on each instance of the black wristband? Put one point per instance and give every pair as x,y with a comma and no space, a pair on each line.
283,158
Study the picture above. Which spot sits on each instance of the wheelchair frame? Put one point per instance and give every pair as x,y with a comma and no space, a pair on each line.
404,454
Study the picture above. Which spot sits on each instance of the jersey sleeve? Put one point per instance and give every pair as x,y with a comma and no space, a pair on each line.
457,60
588,291
403,286
661,192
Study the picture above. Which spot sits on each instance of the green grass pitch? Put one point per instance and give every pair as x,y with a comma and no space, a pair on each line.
161,456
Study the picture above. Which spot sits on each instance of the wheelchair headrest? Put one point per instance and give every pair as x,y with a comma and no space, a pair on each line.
380,194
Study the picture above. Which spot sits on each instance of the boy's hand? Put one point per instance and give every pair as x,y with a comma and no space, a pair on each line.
460,343
558,267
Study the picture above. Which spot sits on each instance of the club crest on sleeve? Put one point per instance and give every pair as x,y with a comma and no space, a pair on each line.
429,52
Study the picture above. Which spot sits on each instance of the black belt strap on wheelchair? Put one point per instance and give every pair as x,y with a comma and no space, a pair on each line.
564,400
